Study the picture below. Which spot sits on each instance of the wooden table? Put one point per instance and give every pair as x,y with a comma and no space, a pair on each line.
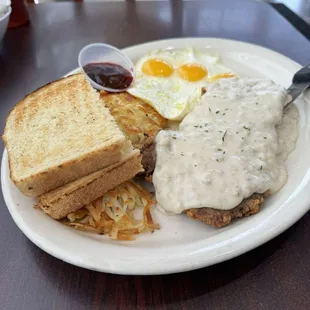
274,276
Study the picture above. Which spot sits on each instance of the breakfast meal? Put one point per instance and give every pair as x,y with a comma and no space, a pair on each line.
212,144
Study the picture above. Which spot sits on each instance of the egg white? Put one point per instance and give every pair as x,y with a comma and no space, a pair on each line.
174,97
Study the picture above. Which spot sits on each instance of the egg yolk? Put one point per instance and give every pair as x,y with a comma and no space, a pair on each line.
157,67
221,76
192,72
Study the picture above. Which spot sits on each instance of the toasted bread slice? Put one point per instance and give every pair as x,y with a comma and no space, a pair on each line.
59,133
73,196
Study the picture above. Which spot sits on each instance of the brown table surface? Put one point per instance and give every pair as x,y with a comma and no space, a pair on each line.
273,276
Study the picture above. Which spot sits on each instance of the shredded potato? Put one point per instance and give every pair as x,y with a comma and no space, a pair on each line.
137,119
113,213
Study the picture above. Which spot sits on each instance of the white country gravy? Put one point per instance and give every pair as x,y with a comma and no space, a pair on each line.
227,148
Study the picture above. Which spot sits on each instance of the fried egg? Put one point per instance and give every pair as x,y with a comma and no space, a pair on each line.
171,81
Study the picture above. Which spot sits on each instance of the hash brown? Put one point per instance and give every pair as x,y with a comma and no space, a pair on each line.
137,119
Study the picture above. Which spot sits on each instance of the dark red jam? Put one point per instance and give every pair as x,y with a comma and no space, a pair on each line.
109,75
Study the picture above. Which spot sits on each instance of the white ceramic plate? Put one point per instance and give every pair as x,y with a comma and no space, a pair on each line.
182,244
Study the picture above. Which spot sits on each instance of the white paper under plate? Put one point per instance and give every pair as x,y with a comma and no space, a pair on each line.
182,244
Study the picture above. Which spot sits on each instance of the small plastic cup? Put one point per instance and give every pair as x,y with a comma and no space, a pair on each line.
104,53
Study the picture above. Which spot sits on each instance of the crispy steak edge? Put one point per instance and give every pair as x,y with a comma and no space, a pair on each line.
220,218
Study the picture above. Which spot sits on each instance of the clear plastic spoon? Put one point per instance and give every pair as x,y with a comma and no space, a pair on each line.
107,59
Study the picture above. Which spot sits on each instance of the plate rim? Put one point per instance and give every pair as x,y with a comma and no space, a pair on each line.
63,255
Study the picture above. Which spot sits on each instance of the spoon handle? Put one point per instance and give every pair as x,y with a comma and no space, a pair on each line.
295,90
302,76
301,82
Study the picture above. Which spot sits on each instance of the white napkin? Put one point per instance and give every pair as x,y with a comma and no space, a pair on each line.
4,6
5,2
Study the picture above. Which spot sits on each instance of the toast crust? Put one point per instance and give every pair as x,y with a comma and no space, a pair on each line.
73,196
